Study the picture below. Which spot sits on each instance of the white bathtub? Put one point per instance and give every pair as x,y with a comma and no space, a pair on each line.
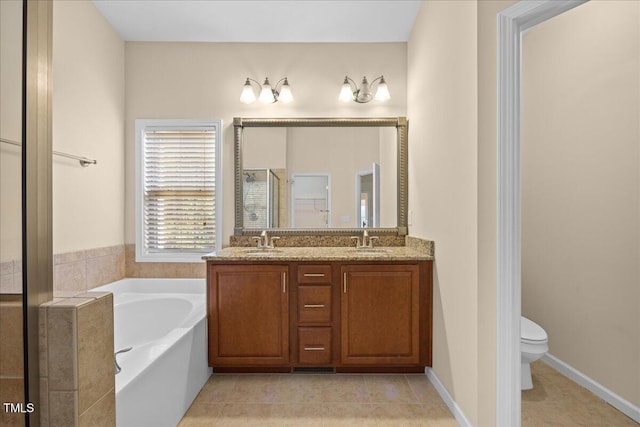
164,320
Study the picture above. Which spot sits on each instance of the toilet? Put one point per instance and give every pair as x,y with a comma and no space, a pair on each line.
533,345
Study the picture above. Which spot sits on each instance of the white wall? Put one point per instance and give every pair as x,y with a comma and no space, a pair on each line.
200,80
10,128
443,166
581,169
88,120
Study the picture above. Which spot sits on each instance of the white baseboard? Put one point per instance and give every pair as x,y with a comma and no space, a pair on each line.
461,419
624,406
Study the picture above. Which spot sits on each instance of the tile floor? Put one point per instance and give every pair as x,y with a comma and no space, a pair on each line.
555,400
300,400
322,400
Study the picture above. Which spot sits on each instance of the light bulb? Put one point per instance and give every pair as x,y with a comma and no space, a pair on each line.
382,93
285,92
345,92
266,94
247,96
364,94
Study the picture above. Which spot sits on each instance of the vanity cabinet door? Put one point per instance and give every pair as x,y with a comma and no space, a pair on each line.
380,311
248,314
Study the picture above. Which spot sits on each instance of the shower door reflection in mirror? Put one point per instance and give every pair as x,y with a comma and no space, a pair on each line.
11,311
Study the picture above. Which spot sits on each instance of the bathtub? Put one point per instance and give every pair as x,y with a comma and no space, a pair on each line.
164,321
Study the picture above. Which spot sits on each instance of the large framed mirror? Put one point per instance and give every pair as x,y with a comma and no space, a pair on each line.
318,176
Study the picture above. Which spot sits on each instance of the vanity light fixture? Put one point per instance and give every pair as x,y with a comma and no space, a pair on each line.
268,95
351,92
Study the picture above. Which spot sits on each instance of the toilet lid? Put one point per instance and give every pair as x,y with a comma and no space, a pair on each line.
531,331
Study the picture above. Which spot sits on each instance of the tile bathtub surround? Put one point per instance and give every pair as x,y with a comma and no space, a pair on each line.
76,359
83,270
318,400
183,270
11,358
11,277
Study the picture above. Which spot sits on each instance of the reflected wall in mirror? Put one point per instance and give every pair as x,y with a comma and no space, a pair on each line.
320,174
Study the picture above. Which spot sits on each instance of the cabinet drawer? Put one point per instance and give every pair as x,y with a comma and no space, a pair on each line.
314,304
314,274
314,346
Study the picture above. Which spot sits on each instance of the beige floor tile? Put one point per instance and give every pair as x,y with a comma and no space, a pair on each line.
348,414
228,415
389,389
254,389
299,389
218,388
296,415
400,414
343,389
555,400
423,389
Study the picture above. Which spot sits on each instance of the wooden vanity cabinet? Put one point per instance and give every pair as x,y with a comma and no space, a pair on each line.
313,326
352,316
248,315
380,310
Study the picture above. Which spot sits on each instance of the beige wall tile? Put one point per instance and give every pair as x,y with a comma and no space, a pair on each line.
104,269
42,342
68,257
101,414
100,252
11,353
6,284
62,349
44,401
17,283
95,351
11,390
187,270
6,268
70,276
63,408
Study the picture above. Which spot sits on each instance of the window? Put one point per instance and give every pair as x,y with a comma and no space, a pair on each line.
178,175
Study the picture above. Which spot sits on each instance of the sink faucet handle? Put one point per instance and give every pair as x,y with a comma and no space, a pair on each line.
259,241
371,239
271,244
359,241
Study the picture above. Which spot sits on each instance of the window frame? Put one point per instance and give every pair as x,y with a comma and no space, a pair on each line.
167,255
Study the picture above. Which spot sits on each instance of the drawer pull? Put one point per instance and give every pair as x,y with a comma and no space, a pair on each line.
314,349
314,306
313,274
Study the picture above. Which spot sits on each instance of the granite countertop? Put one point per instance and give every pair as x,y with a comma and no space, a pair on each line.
387,253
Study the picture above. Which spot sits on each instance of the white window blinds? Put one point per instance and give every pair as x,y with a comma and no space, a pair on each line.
179,188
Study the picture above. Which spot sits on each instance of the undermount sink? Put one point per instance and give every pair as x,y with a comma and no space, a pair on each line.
262,251
370,251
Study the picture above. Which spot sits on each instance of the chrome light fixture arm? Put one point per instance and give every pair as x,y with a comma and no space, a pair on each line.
364,94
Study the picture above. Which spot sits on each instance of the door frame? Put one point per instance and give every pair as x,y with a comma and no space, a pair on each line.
513,22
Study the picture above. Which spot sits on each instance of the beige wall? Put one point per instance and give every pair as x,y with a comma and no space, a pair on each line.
200,80
88,120
580,216
10,128
443,166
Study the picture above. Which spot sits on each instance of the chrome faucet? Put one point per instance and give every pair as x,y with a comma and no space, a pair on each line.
366,241
115,358
264,241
